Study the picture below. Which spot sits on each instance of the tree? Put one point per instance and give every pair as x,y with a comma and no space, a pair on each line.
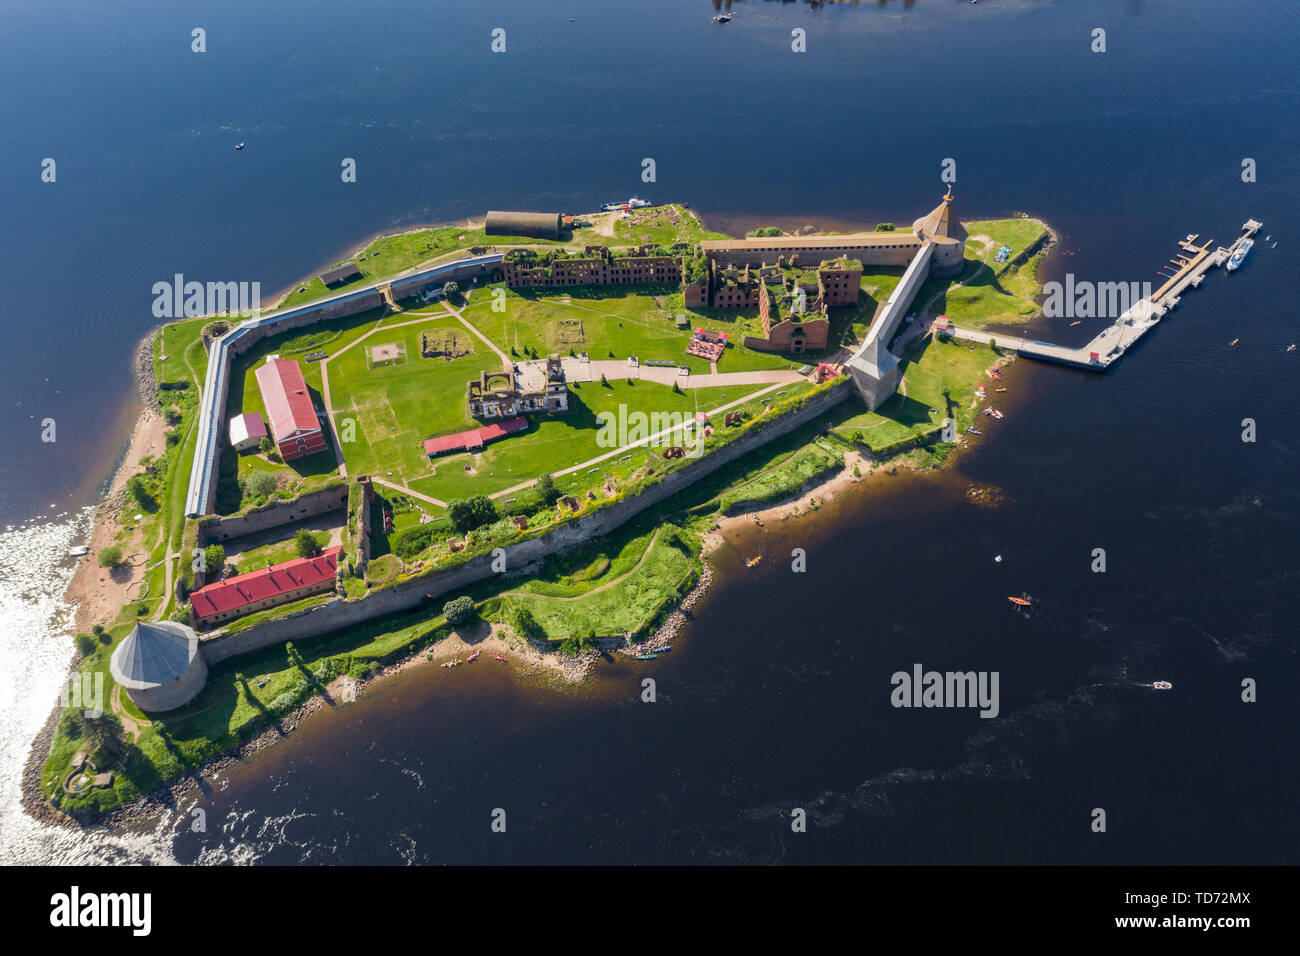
546,489
258,484
604,381
104,733
140,493
265,446
85,645
308,546
466,514
458,611
214,559
449,289
525,625
110,557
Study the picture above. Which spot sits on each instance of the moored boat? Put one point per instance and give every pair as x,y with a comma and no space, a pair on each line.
753,561
472,657
498,657
1238,257
645,657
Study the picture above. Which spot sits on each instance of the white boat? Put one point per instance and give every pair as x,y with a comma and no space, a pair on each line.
78,551
1239,256
239,146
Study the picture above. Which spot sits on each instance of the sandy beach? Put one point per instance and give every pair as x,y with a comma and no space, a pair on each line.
97,593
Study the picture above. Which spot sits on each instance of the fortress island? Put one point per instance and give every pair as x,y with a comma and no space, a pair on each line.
515,438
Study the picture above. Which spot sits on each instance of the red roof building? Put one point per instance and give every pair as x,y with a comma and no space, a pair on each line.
289,411
475,437
279,584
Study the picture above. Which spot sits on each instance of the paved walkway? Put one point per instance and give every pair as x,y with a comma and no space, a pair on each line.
612,369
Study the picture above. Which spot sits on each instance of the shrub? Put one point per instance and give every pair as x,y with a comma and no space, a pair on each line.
466,514
885,227
459,610
525,625
214,559
140,493
265,445
258,484
110,557
308,546
412,541
546,489
85,645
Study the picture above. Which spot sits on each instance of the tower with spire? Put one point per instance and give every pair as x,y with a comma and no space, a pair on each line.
942,227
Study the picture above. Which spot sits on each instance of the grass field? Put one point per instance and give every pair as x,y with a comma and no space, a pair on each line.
663,225
616,323
617,603
393,408
987,297
937,375
556,442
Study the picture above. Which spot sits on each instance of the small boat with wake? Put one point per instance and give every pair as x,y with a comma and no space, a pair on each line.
1162,685
1233,342
1291,347
239,146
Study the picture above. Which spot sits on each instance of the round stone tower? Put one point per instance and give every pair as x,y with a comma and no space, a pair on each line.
942,227
159,665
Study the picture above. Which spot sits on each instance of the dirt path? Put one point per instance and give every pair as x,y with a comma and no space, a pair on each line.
407,491
505,359
636,444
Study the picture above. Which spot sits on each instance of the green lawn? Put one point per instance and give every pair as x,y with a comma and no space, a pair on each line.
616,604
393,408
664,225
930,371
612,322
989,295
556,442
276,552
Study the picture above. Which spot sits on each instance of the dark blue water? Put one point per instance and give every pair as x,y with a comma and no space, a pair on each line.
779,695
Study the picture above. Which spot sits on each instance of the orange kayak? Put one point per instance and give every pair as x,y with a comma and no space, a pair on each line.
1021,601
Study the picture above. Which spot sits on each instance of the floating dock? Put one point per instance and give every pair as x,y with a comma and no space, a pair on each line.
1108,346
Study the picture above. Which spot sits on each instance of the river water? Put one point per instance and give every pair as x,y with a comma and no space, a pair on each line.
777,695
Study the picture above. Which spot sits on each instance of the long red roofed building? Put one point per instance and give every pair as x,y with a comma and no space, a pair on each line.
279,584
289,411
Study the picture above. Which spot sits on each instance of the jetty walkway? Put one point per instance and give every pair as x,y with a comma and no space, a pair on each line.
1142,316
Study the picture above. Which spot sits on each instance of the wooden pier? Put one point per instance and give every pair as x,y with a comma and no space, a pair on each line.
1108,346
